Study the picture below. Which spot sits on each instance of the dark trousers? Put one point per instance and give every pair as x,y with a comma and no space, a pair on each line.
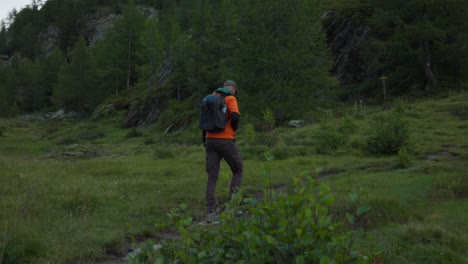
217,149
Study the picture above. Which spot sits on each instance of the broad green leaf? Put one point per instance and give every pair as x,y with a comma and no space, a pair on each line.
362,210
350,218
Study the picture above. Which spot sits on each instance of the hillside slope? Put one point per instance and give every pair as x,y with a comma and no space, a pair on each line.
79,190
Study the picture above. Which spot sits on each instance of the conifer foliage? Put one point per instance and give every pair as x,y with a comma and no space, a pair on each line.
276,51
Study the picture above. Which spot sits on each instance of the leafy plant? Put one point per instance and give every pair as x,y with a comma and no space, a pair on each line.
390,132
356,216
404,158
347,125
330,137
294,229
250,136
268,120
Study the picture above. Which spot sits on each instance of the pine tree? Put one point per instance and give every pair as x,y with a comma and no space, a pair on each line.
282,55
116,55
51,66
3,39
29,94
7,91
419,43
75,87
152,53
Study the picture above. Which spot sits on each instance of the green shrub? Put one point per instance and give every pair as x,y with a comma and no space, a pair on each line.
250,135
389,133
347,125
329,138
294,229
404,158
268,120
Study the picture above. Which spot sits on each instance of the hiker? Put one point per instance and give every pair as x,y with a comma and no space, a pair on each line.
222,145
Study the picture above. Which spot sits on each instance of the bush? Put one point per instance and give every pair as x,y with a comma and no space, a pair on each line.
404,158
329,138
389,133
347,125
250,136
294,229
268,120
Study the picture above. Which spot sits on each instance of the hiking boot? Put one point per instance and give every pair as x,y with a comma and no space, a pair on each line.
210,218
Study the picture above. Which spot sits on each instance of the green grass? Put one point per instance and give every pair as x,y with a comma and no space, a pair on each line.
58,207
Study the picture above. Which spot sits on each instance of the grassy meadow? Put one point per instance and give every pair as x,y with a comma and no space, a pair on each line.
76,190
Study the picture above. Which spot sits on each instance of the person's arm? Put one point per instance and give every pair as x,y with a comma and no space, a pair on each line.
234,113
203,137
235,117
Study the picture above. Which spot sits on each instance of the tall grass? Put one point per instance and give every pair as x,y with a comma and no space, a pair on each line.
57,208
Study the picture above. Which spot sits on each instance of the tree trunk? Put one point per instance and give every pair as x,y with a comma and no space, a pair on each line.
431,79
129,57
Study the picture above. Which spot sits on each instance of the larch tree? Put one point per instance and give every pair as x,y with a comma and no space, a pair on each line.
75,88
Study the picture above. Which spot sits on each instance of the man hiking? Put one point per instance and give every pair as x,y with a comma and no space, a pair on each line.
221,145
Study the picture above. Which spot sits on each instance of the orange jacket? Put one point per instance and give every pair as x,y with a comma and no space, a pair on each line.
228,132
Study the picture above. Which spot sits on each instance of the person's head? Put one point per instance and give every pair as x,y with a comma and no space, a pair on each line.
231,85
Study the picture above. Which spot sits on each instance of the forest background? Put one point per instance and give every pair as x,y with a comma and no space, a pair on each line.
177,51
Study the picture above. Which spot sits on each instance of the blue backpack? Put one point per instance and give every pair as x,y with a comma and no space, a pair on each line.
213,113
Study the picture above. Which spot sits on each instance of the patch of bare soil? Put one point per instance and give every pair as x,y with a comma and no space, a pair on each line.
445,151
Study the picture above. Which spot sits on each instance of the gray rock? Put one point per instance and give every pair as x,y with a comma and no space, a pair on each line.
72,146
296,123
48,39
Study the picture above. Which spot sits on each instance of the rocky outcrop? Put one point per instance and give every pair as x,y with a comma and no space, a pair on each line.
141,114
48,39
98,24
96,27
144,113
347,38
60,114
